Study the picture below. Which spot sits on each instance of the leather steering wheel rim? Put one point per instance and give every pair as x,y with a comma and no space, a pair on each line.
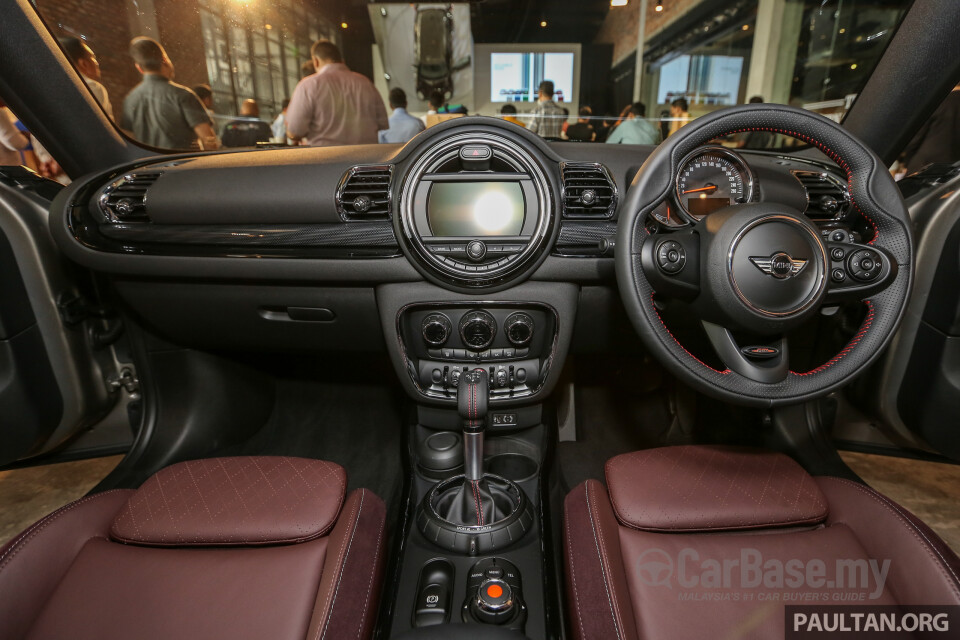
874,195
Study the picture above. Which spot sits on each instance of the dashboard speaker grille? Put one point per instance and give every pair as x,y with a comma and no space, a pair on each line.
827,195
364,193
588,191
125,200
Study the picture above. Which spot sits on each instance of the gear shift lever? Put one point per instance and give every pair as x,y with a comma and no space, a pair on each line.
472,392
476,512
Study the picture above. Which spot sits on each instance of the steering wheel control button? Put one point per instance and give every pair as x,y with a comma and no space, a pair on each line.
838,275
476,250
671,257
839,236
837,254
865,265
761,352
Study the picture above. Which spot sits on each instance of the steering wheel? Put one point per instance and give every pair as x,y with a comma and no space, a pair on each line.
762,269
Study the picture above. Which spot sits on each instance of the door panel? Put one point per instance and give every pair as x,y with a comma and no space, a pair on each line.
51,383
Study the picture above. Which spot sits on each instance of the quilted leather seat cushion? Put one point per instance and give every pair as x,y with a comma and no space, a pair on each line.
699,488
234,501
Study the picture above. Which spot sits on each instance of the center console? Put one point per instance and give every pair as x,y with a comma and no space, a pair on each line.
478,347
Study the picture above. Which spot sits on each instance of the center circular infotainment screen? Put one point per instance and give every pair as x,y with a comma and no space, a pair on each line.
476,209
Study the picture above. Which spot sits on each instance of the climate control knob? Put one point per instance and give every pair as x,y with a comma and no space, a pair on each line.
477,329
519,329
436,329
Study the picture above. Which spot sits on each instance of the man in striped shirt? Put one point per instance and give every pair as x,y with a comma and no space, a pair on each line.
548,116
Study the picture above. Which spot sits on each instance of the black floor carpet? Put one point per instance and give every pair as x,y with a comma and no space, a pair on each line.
355,425
635,405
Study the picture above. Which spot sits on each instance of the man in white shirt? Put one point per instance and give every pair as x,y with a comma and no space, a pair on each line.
12,141
403,126
85,60
334,106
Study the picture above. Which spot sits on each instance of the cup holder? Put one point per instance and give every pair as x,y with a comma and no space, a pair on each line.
512,466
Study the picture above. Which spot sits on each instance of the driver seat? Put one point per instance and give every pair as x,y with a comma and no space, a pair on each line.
713,542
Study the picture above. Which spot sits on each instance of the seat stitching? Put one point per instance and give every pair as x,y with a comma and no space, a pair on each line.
343,556
573,578
21,541
603,562
376,557
893,508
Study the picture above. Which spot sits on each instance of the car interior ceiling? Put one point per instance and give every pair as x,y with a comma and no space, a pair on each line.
325,335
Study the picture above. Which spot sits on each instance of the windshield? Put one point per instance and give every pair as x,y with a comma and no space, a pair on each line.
204,74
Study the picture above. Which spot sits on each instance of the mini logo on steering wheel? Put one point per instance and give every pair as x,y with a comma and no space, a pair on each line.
780,265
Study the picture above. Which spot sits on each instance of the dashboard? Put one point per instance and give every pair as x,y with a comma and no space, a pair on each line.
477,243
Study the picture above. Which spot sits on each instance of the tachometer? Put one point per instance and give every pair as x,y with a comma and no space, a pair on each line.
711,178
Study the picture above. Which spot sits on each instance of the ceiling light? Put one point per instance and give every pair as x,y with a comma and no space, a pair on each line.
843,30
343,25
618,3
659,6
383,11
268,27
543,23
745,27
853,66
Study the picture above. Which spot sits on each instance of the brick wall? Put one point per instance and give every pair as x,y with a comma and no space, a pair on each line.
181,36
109,38
620,26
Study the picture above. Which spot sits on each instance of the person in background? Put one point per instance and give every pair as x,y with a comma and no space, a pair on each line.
679,113
248,130
547,115
434,102
205,93
403,126
566,122
635,129
756,139
582,130
938,140
307,69
85,60
12,142
509,113
335,105
279,126
439,98
160,112
664,124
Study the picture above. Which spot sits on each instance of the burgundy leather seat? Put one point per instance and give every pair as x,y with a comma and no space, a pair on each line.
660,552
259,547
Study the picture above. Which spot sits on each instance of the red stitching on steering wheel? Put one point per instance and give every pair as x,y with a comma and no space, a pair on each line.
830,152
664,325
850,345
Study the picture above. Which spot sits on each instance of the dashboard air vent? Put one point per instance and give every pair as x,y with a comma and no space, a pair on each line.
124,199
588,191
827,195
364,193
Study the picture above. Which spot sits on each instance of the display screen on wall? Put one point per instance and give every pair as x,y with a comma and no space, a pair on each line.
515,77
